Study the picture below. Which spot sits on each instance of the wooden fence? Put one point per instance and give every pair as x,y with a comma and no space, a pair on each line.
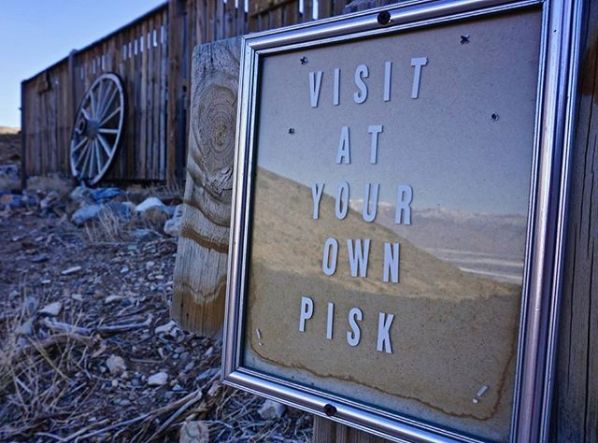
152,56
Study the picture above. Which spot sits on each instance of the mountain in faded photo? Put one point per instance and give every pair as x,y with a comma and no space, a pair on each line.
454,331
491,245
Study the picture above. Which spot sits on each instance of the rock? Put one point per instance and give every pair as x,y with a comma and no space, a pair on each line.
166,328
86,213
122,210
206,375
49,200
172,226
71,270
158,379
194,432
77,297
101,195
116,365
11,201
271,409
51,310
80,194
141,233
150,203
214,390
40,258
26,328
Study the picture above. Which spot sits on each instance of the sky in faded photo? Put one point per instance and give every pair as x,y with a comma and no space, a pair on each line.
37,33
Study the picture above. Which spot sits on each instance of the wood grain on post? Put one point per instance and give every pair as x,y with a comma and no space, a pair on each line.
200,269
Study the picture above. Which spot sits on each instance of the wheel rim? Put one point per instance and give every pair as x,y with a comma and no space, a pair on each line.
97,129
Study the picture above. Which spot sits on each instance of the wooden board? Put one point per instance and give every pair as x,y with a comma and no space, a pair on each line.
200,269
576,396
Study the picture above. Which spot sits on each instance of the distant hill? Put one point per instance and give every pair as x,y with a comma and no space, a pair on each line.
9,130
490,244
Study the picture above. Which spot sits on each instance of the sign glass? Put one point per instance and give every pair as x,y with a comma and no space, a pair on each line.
389,214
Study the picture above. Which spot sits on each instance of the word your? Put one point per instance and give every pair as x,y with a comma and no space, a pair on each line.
355,316
370,202
362,72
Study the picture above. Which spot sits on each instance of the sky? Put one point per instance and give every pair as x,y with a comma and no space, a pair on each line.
36,33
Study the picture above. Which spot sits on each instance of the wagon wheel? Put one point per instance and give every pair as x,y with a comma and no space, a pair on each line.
97,129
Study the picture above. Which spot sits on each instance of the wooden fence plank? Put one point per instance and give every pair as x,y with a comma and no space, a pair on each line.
576,396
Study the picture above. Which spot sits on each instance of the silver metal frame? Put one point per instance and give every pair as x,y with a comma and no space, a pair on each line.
555,110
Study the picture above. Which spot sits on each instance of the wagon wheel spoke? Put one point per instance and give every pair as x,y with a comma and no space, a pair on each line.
107,104
98,128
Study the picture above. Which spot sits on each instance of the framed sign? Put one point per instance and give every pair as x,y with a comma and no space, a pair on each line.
400,194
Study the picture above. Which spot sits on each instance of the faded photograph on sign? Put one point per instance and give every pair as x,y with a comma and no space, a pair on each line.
389,216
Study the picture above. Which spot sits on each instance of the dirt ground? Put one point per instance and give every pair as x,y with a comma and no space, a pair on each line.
87,352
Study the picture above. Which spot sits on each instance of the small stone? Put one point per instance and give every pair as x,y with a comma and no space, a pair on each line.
45,281
271,410
194,432
51,310
124,270
71,270
40,258
158,379
85,213
149,265
26,328
207,374
214,390
172,226
150,203
116,365
77,297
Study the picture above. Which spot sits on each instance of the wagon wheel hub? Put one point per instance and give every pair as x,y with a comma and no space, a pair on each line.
97,130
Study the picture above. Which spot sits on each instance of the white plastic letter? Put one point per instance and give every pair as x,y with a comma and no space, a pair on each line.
330,256
391,262
329,320
354,336
343,155
404,199
375,131
369,213
358,257
336,92
387,80
341,207
307,311
361,95
315,85
384,324
417,63
316,194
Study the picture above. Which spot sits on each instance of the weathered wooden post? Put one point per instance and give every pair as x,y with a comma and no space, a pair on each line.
200,270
